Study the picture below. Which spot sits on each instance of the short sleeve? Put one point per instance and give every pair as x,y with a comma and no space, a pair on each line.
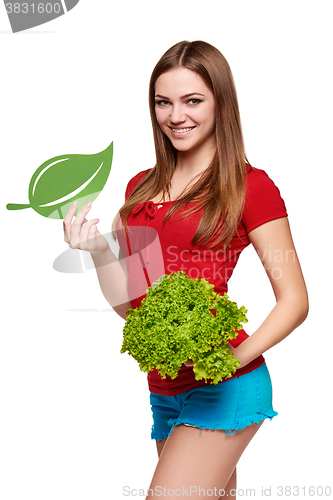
133,183
263,202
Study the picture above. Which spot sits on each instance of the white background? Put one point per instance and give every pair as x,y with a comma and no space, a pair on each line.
75,417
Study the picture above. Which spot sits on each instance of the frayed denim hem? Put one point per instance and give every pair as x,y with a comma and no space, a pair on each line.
229,428
158,436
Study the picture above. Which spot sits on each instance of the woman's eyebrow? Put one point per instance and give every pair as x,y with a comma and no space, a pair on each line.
182,97
192,93
162,97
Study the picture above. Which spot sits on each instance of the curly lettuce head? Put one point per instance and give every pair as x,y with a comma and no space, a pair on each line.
176,322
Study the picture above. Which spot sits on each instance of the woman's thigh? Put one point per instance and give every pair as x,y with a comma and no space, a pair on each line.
193,463
229,490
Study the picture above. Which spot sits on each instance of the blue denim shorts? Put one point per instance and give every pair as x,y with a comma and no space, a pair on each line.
230,406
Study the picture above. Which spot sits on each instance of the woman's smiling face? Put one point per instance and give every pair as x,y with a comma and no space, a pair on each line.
185,110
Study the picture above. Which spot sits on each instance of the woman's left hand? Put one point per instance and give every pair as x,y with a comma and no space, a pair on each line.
234,352
241,354
189,362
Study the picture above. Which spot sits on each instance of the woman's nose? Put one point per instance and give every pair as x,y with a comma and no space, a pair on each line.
177,114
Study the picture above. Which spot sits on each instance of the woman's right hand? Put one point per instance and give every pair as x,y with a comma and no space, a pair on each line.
81,233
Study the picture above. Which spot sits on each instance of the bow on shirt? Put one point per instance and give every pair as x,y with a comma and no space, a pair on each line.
149,206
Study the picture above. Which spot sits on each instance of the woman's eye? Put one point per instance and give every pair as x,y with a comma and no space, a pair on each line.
194,101
161,103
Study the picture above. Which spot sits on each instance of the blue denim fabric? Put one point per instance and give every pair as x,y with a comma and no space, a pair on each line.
231,405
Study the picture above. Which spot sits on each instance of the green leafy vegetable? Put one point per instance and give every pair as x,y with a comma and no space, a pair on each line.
61,180
175,323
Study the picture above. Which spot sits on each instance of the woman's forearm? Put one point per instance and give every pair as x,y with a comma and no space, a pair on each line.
274,245
288,314
113,281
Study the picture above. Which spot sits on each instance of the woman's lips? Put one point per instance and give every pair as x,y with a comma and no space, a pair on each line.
181,130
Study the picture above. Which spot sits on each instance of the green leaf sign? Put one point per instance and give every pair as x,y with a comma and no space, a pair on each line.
60,181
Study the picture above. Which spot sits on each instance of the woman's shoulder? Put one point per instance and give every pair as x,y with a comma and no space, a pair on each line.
134,181
263,201
254,173
139,175
258,180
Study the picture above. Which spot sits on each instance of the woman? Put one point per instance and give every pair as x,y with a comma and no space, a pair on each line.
206,203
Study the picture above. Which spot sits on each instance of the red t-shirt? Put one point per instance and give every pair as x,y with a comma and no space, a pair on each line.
152,250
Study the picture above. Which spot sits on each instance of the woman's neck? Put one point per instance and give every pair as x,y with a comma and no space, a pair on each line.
194,161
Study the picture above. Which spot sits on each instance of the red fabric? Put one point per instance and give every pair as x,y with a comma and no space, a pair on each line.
148,257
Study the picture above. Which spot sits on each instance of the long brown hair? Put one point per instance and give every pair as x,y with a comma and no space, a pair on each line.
220,190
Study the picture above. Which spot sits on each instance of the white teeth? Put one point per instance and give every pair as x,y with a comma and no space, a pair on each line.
182,130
